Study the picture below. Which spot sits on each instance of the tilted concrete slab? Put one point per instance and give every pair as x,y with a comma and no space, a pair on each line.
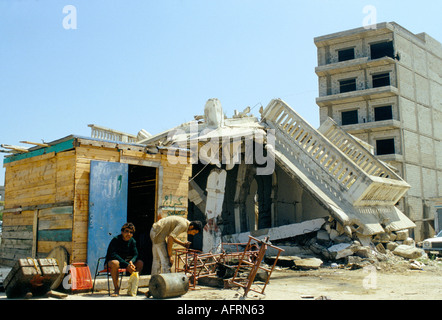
277,233
355,187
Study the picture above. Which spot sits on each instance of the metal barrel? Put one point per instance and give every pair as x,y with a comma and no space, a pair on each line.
168,285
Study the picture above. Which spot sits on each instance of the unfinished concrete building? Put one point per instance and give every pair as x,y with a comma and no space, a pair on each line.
384,86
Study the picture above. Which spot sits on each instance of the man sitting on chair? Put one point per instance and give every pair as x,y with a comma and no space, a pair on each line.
122,253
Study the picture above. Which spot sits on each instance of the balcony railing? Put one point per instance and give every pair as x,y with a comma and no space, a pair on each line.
103,133
341,166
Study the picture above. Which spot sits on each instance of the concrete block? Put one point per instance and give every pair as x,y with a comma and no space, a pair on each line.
392,245
340,250
402,235
323,236
408,252
309,263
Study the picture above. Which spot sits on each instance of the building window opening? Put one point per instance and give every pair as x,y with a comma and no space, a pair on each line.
381,80
349,117
385,146
383,49
383,113
346,54
347,85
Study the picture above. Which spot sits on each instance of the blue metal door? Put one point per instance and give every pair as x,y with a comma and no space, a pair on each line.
108,188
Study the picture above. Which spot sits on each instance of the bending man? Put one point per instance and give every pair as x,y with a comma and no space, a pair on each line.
164,234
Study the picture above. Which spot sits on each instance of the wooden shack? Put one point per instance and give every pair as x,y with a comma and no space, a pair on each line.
77,192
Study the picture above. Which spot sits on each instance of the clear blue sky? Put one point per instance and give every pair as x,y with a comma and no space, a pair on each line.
144,64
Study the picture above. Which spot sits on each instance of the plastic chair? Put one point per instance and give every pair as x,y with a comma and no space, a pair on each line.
80,277
106,271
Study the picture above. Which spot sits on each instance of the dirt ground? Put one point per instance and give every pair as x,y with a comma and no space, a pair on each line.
381,282
340,284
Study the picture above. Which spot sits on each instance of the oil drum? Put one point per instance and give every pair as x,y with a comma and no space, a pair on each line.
168,285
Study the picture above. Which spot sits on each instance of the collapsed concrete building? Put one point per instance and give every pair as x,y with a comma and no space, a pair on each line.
274,177
278,177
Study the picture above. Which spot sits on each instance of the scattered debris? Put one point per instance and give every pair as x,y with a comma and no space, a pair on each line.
229,269
307,264
56,294
333,247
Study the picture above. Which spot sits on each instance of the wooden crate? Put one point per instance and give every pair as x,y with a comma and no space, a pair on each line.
31,275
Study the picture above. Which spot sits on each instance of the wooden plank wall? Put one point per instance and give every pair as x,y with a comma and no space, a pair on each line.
17,236
37,185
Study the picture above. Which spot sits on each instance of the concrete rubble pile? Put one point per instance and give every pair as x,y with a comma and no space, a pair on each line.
334,246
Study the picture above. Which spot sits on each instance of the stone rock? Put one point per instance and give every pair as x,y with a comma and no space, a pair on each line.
363,252
382,237
322,236
341,250
380,248
308,263
402,235
333,234
364,240
342,239
409,242
416,265
392,245
355,262
316,248
408,252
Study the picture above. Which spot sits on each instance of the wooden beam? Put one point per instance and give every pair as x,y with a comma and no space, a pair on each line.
34,234
36,143
15,148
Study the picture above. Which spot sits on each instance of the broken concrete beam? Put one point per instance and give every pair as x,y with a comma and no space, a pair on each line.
308,263
334,234
362,251
392,245
289,250
402,235
355,262
322,236
197,196
382,237
277,233
340,250
364,240
283,261
380,248
409,242
321,251
408,252
343,238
